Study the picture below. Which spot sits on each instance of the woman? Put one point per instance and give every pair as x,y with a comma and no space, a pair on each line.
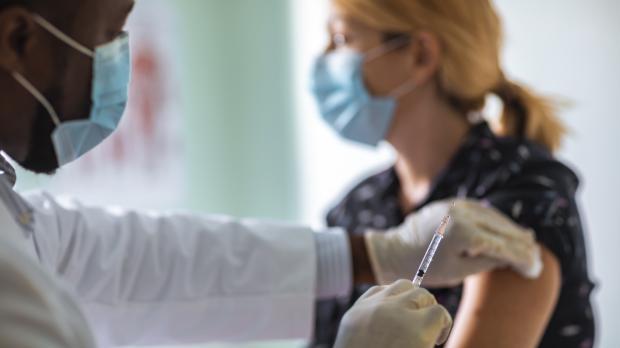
416,74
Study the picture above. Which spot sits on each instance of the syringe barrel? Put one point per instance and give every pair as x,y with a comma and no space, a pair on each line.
428,258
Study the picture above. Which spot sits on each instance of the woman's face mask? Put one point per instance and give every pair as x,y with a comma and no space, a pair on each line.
343,97
111,73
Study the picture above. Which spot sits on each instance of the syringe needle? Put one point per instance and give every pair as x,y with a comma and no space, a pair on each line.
443,226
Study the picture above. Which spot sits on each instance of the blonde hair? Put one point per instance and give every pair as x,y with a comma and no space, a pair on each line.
470,34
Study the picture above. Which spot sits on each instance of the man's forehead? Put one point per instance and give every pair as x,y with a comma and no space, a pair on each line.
86,8
113,6
102,14
91,21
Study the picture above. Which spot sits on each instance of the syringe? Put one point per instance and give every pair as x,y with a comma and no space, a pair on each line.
430,252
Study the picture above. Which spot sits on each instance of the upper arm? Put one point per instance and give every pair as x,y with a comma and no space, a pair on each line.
503,309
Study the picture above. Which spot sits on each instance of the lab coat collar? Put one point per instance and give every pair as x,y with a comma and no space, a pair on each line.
7,170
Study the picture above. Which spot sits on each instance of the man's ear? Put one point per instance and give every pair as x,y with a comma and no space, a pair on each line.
18,34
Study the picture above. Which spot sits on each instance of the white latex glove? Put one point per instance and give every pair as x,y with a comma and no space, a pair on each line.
395,316
478,239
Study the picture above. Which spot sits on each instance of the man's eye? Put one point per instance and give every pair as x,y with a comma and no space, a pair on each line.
113,34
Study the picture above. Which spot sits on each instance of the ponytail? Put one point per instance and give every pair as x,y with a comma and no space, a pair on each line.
528,115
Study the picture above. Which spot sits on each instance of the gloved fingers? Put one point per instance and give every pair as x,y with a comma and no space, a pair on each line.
471,213
461,269
438,322
526,260
529,267
417,298
371,292
533,267
495,246
398,287
473,227
507,229
447,325
490,233
523,257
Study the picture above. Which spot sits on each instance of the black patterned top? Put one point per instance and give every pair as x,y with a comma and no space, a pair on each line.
519,178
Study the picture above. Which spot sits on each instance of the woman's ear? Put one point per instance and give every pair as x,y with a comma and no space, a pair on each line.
426,56
17,31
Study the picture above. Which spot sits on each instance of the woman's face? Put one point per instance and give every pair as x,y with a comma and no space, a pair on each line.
389,63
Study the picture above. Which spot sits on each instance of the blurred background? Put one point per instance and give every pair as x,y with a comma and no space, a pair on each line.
221,120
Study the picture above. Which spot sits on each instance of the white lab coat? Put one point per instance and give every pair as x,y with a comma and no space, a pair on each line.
145,279
35,311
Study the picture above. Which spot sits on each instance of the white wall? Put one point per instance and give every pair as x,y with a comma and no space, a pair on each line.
569,48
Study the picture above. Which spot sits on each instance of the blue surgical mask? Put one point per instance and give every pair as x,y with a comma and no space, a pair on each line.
111,72
344,101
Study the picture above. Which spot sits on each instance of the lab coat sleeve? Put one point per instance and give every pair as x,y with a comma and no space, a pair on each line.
177,279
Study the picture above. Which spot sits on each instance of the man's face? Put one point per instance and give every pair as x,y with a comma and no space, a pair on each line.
62,74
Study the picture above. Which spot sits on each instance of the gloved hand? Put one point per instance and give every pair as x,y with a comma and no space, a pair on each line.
478,239
395,316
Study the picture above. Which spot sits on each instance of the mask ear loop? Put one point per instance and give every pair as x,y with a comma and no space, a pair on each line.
387,47
403,89
37,95
62,36
29,86
390,46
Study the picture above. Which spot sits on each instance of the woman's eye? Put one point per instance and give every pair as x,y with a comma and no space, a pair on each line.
340,40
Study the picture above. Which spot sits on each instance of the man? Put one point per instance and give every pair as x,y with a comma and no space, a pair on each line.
70,272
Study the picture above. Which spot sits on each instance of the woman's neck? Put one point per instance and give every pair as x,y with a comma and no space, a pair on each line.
426,136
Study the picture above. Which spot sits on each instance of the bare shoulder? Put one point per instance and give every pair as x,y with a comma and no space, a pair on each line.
503,309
